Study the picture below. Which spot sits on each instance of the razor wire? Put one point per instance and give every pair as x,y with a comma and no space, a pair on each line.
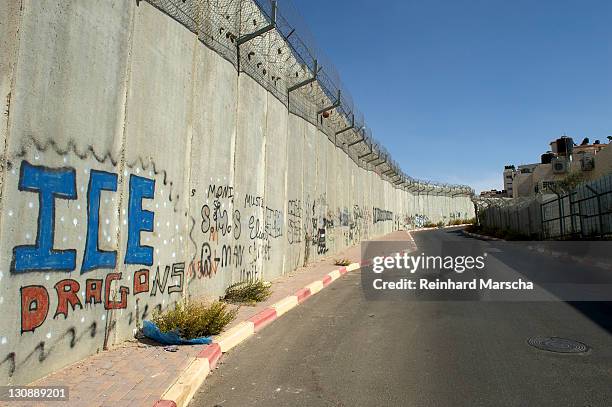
269,41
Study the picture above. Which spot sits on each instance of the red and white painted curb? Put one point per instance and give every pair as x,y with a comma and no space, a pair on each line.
182,390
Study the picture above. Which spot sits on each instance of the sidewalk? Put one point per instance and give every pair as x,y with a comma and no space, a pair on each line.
137,373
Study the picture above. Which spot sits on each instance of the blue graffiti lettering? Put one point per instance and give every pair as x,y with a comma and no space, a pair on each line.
94,258
49,184
139,220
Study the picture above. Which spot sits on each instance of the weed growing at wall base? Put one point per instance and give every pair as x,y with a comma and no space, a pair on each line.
342,262
248,292
195,319
461,222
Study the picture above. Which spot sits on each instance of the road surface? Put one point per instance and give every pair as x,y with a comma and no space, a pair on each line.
337,349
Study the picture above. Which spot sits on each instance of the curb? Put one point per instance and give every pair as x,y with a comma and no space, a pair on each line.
180,393
441,227
568,257
482,237
560,255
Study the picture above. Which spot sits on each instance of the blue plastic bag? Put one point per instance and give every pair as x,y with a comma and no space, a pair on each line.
151,331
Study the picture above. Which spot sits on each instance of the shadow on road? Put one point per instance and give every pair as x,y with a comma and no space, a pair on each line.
580,285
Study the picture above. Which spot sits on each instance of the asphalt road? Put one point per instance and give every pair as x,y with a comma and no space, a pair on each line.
338,349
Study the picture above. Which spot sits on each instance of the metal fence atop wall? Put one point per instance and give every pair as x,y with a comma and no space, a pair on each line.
269,41
584,212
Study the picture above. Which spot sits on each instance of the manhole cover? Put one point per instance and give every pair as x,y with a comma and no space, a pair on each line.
559,345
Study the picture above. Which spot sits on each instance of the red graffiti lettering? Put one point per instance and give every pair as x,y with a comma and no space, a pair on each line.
67,293
123,292
141,281
34,307
93,291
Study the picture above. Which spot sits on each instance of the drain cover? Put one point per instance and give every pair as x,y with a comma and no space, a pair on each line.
559,345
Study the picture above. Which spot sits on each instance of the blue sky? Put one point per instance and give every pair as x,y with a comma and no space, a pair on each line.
456,89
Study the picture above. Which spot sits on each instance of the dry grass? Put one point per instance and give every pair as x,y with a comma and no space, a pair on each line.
195,319
461,221
248,292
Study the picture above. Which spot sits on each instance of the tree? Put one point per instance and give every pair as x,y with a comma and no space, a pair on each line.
571,181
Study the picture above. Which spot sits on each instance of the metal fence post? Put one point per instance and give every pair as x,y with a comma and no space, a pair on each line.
599,217
529,220
542,219
571,212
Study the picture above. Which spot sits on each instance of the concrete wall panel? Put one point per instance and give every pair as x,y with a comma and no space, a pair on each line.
9,42
295,218
275,226
309,182
214,220
249,177
153,223
65,128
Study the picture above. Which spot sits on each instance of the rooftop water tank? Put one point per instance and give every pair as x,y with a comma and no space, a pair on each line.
565,146
547,157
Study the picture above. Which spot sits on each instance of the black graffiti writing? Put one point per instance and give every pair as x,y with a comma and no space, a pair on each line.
251,200
221,191
274,223
381,215
294,221
175,271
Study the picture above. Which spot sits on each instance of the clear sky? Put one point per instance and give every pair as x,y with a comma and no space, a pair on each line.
456,89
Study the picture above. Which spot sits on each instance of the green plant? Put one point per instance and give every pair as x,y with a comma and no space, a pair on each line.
248,292
195,319
342,262
469,221
571,181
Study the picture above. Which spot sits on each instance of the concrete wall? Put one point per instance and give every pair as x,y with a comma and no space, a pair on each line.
139,168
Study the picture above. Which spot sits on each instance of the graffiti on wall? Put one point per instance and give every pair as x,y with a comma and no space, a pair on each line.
111,290
357,227
381,215
221,228
321,222
294,221
234,239
458,215
265,227
418,220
